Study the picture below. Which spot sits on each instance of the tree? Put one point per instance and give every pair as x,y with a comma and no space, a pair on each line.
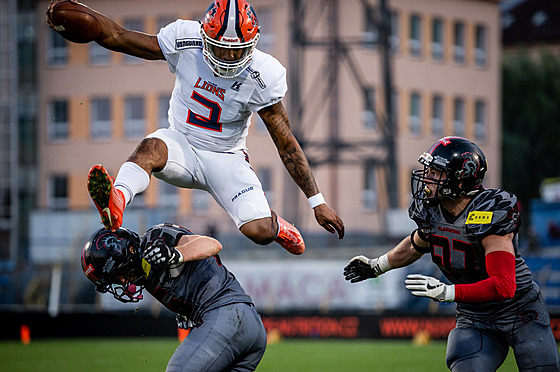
531,124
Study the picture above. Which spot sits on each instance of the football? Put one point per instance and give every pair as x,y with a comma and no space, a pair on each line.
75,22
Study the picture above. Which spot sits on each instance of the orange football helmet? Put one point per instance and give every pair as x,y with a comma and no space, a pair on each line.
230,31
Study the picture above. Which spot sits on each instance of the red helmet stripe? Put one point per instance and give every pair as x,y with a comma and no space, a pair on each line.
442,141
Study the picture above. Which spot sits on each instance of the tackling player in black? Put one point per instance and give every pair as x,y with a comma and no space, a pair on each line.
183,272
472,236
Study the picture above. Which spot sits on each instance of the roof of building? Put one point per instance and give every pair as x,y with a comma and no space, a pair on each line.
530,21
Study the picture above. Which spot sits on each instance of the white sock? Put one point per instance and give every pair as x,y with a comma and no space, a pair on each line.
131,180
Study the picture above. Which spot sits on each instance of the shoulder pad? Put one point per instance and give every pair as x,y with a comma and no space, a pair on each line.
266,70
418,213
170,234
493,212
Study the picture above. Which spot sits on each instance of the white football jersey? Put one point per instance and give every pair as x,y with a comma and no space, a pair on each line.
214,112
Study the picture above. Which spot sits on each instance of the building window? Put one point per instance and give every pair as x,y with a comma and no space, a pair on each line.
437,116
369,195
57,123
415,37
266,23
265,176
459,117
415,117
134,120
200,201
368,114
58,192
135,24
370,35
394,39
163,110
168,195
101,126
459,43
57,51
437,39
99,56
480,53
480,120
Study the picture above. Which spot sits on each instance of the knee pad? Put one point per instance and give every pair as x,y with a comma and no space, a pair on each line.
181,163
248,209
176,175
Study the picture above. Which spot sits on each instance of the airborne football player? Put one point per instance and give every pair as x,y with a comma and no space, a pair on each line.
221,79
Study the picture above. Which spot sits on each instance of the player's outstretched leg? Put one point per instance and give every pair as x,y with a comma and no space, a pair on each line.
289,237
108,200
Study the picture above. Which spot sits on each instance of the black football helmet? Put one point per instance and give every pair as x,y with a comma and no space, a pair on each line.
111,260
462,161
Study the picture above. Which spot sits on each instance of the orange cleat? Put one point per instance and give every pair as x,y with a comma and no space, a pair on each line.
289,237
108,200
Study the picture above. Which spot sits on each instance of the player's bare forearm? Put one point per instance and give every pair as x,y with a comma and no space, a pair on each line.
295,161
198,247
116,38
291,154
403,254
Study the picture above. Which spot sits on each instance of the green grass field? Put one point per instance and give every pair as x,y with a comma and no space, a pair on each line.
152,354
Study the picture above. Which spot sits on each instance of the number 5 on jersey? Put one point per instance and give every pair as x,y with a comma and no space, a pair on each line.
212,121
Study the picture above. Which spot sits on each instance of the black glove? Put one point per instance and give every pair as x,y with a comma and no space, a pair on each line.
158,253
361,268
183,322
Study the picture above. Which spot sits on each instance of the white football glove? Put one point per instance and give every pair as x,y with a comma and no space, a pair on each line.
426,286
158,253
361,268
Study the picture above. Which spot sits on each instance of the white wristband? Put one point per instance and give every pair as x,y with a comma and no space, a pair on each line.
384,264
449,293
316,200
180,260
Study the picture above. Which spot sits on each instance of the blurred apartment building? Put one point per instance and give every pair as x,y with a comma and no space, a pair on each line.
94,106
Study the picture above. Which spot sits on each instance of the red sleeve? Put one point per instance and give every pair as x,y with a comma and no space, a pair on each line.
500,285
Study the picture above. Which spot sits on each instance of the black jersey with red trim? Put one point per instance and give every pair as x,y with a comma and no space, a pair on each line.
455,244
190,288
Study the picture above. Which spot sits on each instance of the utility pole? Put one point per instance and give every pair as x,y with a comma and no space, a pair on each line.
390,125
333,151
334,67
